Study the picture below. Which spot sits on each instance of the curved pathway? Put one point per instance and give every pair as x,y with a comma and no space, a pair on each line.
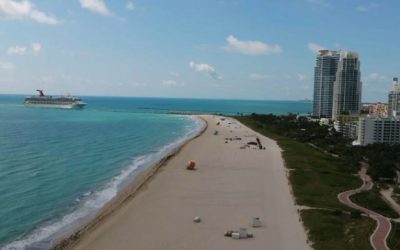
379,236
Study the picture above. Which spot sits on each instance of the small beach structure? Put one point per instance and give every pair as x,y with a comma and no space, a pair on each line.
241,234
256,222
191,165
197,219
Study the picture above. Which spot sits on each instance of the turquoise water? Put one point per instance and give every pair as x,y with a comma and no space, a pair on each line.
58,166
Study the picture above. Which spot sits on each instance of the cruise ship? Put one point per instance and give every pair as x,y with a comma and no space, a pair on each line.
62,102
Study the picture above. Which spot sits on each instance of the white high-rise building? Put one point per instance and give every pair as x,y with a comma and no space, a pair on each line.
378,130
337,84
394,99
347,86
324,77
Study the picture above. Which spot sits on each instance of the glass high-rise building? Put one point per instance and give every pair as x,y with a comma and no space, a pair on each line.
347,85
394,99
324,78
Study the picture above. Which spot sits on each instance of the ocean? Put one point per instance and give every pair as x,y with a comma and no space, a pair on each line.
58,167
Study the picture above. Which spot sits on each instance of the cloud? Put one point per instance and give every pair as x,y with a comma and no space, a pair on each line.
36,48
305,86
97,6
315,48
173,73
323,3
301,77
43,18
366,7
16,50
256,77
375,77
139,84
48,79
24,9
170,83
130,6
252,48
202,67
6,65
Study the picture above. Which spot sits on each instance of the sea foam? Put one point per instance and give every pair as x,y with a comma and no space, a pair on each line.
91,202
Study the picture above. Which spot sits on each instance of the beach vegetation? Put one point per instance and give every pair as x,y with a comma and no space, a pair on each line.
329,231
383,159
396,193
373,200
394,236
322,164
316,176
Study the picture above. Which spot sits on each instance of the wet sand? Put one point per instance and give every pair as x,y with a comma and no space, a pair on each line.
232,184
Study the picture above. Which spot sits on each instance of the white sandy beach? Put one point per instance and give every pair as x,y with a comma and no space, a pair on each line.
230,186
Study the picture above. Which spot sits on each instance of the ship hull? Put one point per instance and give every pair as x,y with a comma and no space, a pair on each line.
56,106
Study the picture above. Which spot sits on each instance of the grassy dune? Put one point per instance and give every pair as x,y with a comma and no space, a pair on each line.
316,179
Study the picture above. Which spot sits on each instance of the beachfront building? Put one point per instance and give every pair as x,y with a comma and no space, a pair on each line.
345,125
394,99
350,130
378,109
347,85
378,130
324,77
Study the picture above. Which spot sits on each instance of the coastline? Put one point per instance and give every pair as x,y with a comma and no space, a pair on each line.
163,204
67,240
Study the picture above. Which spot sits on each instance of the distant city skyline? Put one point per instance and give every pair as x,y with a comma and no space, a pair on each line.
210,49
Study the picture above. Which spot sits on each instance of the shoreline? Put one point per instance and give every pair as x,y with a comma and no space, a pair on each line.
68,240
242,186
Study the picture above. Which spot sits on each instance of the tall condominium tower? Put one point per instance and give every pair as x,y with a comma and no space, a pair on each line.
394,99
324,77
347,85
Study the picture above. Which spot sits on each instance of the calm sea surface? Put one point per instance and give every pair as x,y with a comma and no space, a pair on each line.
59,166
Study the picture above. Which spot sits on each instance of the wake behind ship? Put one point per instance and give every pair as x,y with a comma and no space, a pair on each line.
63,102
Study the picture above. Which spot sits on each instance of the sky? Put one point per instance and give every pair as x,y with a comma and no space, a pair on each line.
230,49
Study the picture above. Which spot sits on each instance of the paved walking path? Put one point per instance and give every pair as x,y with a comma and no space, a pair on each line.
379,236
